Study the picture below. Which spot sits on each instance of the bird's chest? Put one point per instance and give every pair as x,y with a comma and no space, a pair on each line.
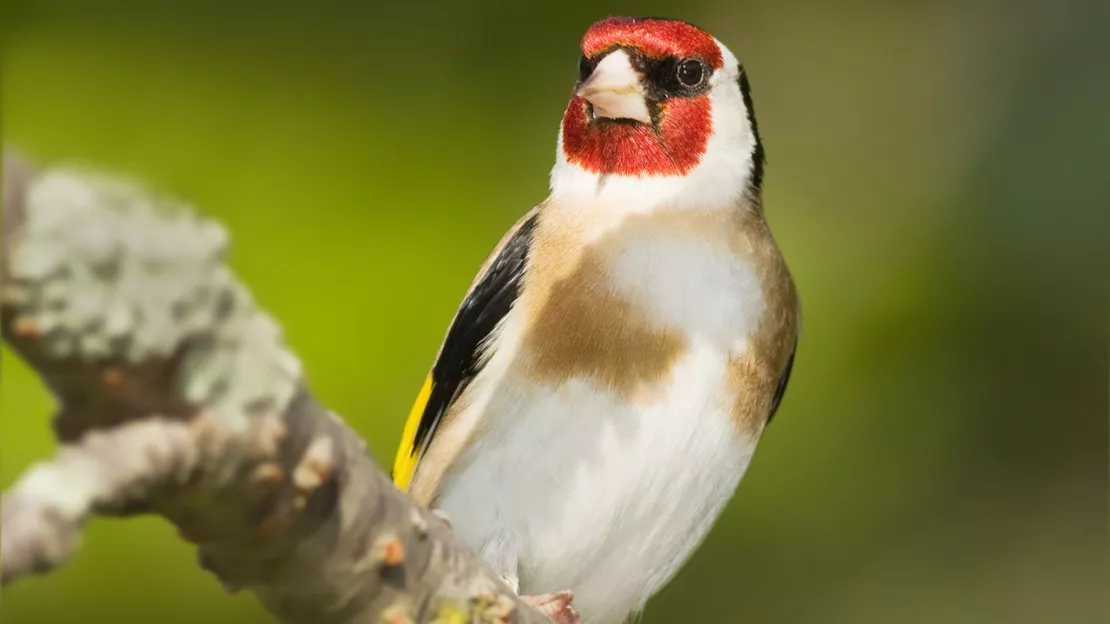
608,444
621,305
576,487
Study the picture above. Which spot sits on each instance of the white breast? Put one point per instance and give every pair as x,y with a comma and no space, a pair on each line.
701,286
577,488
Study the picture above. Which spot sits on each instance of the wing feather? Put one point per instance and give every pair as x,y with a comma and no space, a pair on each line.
784,379
461,356
405,461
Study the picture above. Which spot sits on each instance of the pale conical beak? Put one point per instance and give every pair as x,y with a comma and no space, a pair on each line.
615,89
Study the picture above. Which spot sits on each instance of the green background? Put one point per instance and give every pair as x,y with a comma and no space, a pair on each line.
937,182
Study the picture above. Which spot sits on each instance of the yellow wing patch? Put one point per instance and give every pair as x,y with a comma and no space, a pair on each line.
405,462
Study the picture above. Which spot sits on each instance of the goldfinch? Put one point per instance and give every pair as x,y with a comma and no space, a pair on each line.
604,383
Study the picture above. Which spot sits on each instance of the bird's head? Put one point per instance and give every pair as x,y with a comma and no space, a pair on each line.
661,111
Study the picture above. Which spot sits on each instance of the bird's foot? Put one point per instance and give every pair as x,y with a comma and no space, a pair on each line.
555,606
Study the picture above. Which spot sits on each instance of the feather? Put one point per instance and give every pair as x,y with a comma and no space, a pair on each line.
461,356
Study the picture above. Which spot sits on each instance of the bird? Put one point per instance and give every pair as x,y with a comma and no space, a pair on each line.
603,385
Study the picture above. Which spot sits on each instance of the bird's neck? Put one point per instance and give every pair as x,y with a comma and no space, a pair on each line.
588,219
712,184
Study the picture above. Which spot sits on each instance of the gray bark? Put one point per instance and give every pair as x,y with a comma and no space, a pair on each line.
177,396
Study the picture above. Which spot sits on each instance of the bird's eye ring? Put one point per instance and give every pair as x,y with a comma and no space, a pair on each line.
691,72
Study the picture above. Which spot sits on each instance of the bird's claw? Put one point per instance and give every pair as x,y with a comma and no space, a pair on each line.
555,606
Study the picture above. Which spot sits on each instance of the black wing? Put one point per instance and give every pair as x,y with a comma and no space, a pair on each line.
783,380
460,357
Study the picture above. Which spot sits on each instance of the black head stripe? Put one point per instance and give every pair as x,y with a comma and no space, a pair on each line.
759,157
661,76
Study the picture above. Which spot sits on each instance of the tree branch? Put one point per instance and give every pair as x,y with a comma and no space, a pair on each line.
177,396
43,514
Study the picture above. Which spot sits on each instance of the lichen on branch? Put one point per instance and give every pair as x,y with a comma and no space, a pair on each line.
177,395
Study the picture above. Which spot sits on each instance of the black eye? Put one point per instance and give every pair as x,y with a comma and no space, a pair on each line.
585,68
690,72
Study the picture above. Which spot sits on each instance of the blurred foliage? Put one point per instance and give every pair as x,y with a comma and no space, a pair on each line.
937,182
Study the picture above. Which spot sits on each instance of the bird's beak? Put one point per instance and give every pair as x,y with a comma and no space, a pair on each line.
615,89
